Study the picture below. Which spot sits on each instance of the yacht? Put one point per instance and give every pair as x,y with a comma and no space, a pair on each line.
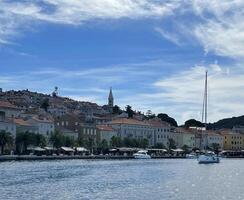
206,157
142,154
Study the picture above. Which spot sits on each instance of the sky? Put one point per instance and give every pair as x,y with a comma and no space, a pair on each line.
153,53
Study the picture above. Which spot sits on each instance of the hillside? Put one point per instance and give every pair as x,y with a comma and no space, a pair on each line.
227,123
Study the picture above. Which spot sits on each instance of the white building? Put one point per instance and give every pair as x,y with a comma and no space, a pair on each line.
214,138
185,137
9,126
133,128
105,132
9,110
45,126
162,132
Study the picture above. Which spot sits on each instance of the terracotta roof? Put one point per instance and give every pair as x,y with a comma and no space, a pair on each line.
159,123
6,104
42,120
129,121
104,128
213,133
187,131
229,132
21,122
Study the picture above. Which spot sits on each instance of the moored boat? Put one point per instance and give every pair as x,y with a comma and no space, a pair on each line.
142,154
208,158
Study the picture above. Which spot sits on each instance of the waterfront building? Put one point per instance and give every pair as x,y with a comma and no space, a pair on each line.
133,128
24,126
162,132
233,141
88,132
44,126
185,137
213,138
8,126
105,132
68,133
238,129
69,121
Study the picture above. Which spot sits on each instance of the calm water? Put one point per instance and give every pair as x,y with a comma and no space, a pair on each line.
129,179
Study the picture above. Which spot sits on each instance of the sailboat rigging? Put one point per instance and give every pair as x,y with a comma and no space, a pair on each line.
207,157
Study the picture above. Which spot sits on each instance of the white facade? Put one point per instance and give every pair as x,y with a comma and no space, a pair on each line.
214,138
8,126
162,135
106,133
132,128
45,127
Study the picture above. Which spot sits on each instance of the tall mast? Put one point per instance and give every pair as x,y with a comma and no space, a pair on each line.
205,108
206,99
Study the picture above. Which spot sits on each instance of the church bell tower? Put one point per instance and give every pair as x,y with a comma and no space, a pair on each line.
110,100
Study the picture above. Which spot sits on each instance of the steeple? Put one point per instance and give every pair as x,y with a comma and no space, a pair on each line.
111,100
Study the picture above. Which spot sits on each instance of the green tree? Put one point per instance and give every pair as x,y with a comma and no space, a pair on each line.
69,141
23,140
117,110
172,144
57,139
103,145
164,117
159,146
45,104
144,143
185,148
129,111
5,139
80,141
127,142
116,142
40,140
215,147
150,115
193,123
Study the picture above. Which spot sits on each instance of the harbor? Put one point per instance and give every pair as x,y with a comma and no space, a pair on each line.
122,179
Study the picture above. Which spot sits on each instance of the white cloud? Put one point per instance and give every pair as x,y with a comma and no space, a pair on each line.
17,15
169,36
222,27
184,91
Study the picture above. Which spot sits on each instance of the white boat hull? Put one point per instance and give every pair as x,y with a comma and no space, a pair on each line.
208,159
140,156
191,156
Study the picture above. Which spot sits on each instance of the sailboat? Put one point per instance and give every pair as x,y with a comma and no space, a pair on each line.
208,157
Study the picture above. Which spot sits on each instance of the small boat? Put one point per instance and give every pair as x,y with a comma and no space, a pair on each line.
142,154
208,158
191,156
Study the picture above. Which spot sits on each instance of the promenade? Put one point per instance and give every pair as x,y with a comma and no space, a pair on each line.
66,157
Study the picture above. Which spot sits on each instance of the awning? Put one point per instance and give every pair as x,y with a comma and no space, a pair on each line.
163,150
112,149
50,148
35,149
81,149
68,149
177,150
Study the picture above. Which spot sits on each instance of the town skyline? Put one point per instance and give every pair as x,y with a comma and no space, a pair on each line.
146,50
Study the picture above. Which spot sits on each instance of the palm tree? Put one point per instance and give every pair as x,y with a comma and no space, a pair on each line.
5,139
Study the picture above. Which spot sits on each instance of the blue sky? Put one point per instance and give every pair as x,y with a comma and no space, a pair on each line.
153,53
